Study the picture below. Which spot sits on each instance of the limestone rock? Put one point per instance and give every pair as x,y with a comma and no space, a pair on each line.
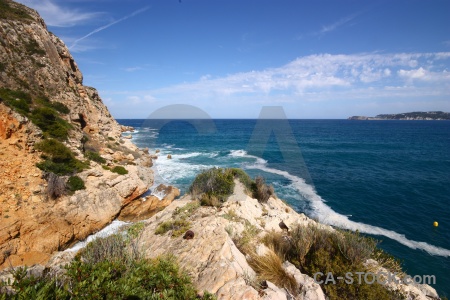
309,289
144,208
273,292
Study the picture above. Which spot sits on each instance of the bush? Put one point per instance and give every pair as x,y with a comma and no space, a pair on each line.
213,183
313,250
18,100
105,270
261,190
58,158
178,227
119,170
75,183
94,156
50,123
60,107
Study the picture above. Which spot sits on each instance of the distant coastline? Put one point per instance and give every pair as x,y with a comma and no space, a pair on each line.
418,115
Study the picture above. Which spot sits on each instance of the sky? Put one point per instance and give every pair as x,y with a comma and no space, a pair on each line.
317,59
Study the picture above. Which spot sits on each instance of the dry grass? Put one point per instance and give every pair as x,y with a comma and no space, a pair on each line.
56,186
269,267
262,191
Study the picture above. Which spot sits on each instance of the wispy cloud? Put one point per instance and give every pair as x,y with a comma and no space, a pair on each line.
58,16
97,30
132,69
334,26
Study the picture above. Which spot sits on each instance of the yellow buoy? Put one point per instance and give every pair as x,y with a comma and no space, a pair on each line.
435,224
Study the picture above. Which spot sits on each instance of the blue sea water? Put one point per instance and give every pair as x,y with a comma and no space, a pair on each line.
389,179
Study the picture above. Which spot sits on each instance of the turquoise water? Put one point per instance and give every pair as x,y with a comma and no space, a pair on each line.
390,179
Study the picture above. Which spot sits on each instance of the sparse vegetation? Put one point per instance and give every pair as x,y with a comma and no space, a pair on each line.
58,158
106,269
186,210
18,100
51,124
119,170
312,249
261,190
32,47
12,12
75,183
94,156
177,226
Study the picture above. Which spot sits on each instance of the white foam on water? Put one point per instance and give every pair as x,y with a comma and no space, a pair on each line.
327,215
186,155
169,171
107,231
243,153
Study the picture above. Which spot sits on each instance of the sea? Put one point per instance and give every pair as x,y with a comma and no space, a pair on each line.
389,179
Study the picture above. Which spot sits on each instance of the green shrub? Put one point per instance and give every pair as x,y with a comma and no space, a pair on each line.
32,47
178,227
58,158
12,13
105,270
75,183
94,156
119,170
51,124
60,107
18,100
213,183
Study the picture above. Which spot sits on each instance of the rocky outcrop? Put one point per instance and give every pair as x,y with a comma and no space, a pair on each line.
212,258
145,207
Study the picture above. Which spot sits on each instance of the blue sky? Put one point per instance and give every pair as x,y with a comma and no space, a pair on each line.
317,59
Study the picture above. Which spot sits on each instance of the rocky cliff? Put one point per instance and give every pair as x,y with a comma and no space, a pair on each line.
40,84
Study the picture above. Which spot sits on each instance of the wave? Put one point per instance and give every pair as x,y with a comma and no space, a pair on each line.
107,231
243,153
327,215
170,171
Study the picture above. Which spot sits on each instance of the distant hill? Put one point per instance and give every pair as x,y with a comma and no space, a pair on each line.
417,115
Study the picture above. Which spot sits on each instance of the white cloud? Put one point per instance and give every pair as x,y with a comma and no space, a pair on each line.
320,80
419,73
55,15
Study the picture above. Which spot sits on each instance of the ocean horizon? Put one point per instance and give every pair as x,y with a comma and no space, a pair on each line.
385,178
